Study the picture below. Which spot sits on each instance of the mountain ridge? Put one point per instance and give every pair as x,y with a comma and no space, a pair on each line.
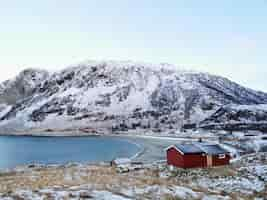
119,96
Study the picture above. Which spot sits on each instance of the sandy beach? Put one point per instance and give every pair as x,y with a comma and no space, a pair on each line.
152,147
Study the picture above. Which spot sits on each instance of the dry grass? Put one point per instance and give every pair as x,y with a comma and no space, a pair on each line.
105,178
99,177
171,197
223,171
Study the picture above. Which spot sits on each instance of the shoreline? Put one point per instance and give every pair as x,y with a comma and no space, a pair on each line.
139,151
149,148
80,133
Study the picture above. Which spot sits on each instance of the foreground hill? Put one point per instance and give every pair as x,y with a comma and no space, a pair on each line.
117,96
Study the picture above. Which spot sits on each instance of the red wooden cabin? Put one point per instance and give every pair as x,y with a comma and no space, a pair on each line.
197,155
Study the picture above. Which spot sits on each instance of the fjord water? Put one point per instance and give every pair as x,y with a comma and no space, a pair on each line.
23,150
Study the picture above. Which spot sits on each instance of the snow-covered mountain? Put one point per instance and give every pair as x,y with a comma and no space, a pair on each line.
117,96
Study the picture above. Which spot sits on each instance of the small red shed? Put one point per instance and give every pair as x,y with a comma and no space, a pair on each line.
197,155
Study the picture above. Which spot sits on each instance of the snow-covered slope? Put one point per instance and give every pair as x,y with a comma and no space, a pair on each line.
238,117
119,96
22,86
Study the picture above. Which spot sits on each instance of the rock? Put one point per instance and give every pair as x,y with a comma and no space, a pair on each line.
85,195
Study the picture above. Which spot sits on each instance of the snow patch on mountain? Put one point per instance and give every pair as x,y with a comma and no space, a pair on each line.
21,86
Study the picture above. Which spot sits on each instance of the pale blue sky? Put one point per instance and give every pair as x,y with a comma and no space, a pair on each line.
227,37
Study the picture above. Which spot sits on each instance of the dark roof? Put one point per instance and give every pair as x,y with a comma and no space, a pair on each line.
188,148
211,149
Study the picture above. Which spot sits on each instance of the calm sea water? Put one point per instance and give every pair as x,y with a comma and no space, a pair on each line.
19,150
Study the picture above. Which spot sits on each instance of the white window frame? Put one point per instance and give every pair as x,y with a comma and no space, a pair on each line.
221,156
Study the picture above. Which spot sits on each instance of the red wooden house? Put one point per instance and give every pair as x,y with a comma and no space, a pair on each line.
197,155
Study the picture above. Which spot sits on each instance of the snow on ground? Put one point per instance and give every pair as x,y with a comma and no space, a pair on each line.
259,107
245,179
77,193
259,144
62,195
233,184
258,170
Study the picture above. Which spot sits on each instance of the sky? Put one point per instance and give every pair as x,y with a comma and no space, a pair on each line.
227,38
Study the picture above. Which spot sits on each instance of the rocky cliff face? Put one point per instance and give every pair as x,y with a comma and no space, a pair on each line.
118,96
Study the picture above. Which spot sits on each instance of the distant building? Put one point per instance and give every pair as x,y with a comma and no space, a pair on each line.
121,162
122,165
197,155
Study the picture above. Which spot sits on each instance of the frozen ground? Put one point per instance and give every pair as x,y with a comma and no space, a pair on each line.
244,179
76,193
